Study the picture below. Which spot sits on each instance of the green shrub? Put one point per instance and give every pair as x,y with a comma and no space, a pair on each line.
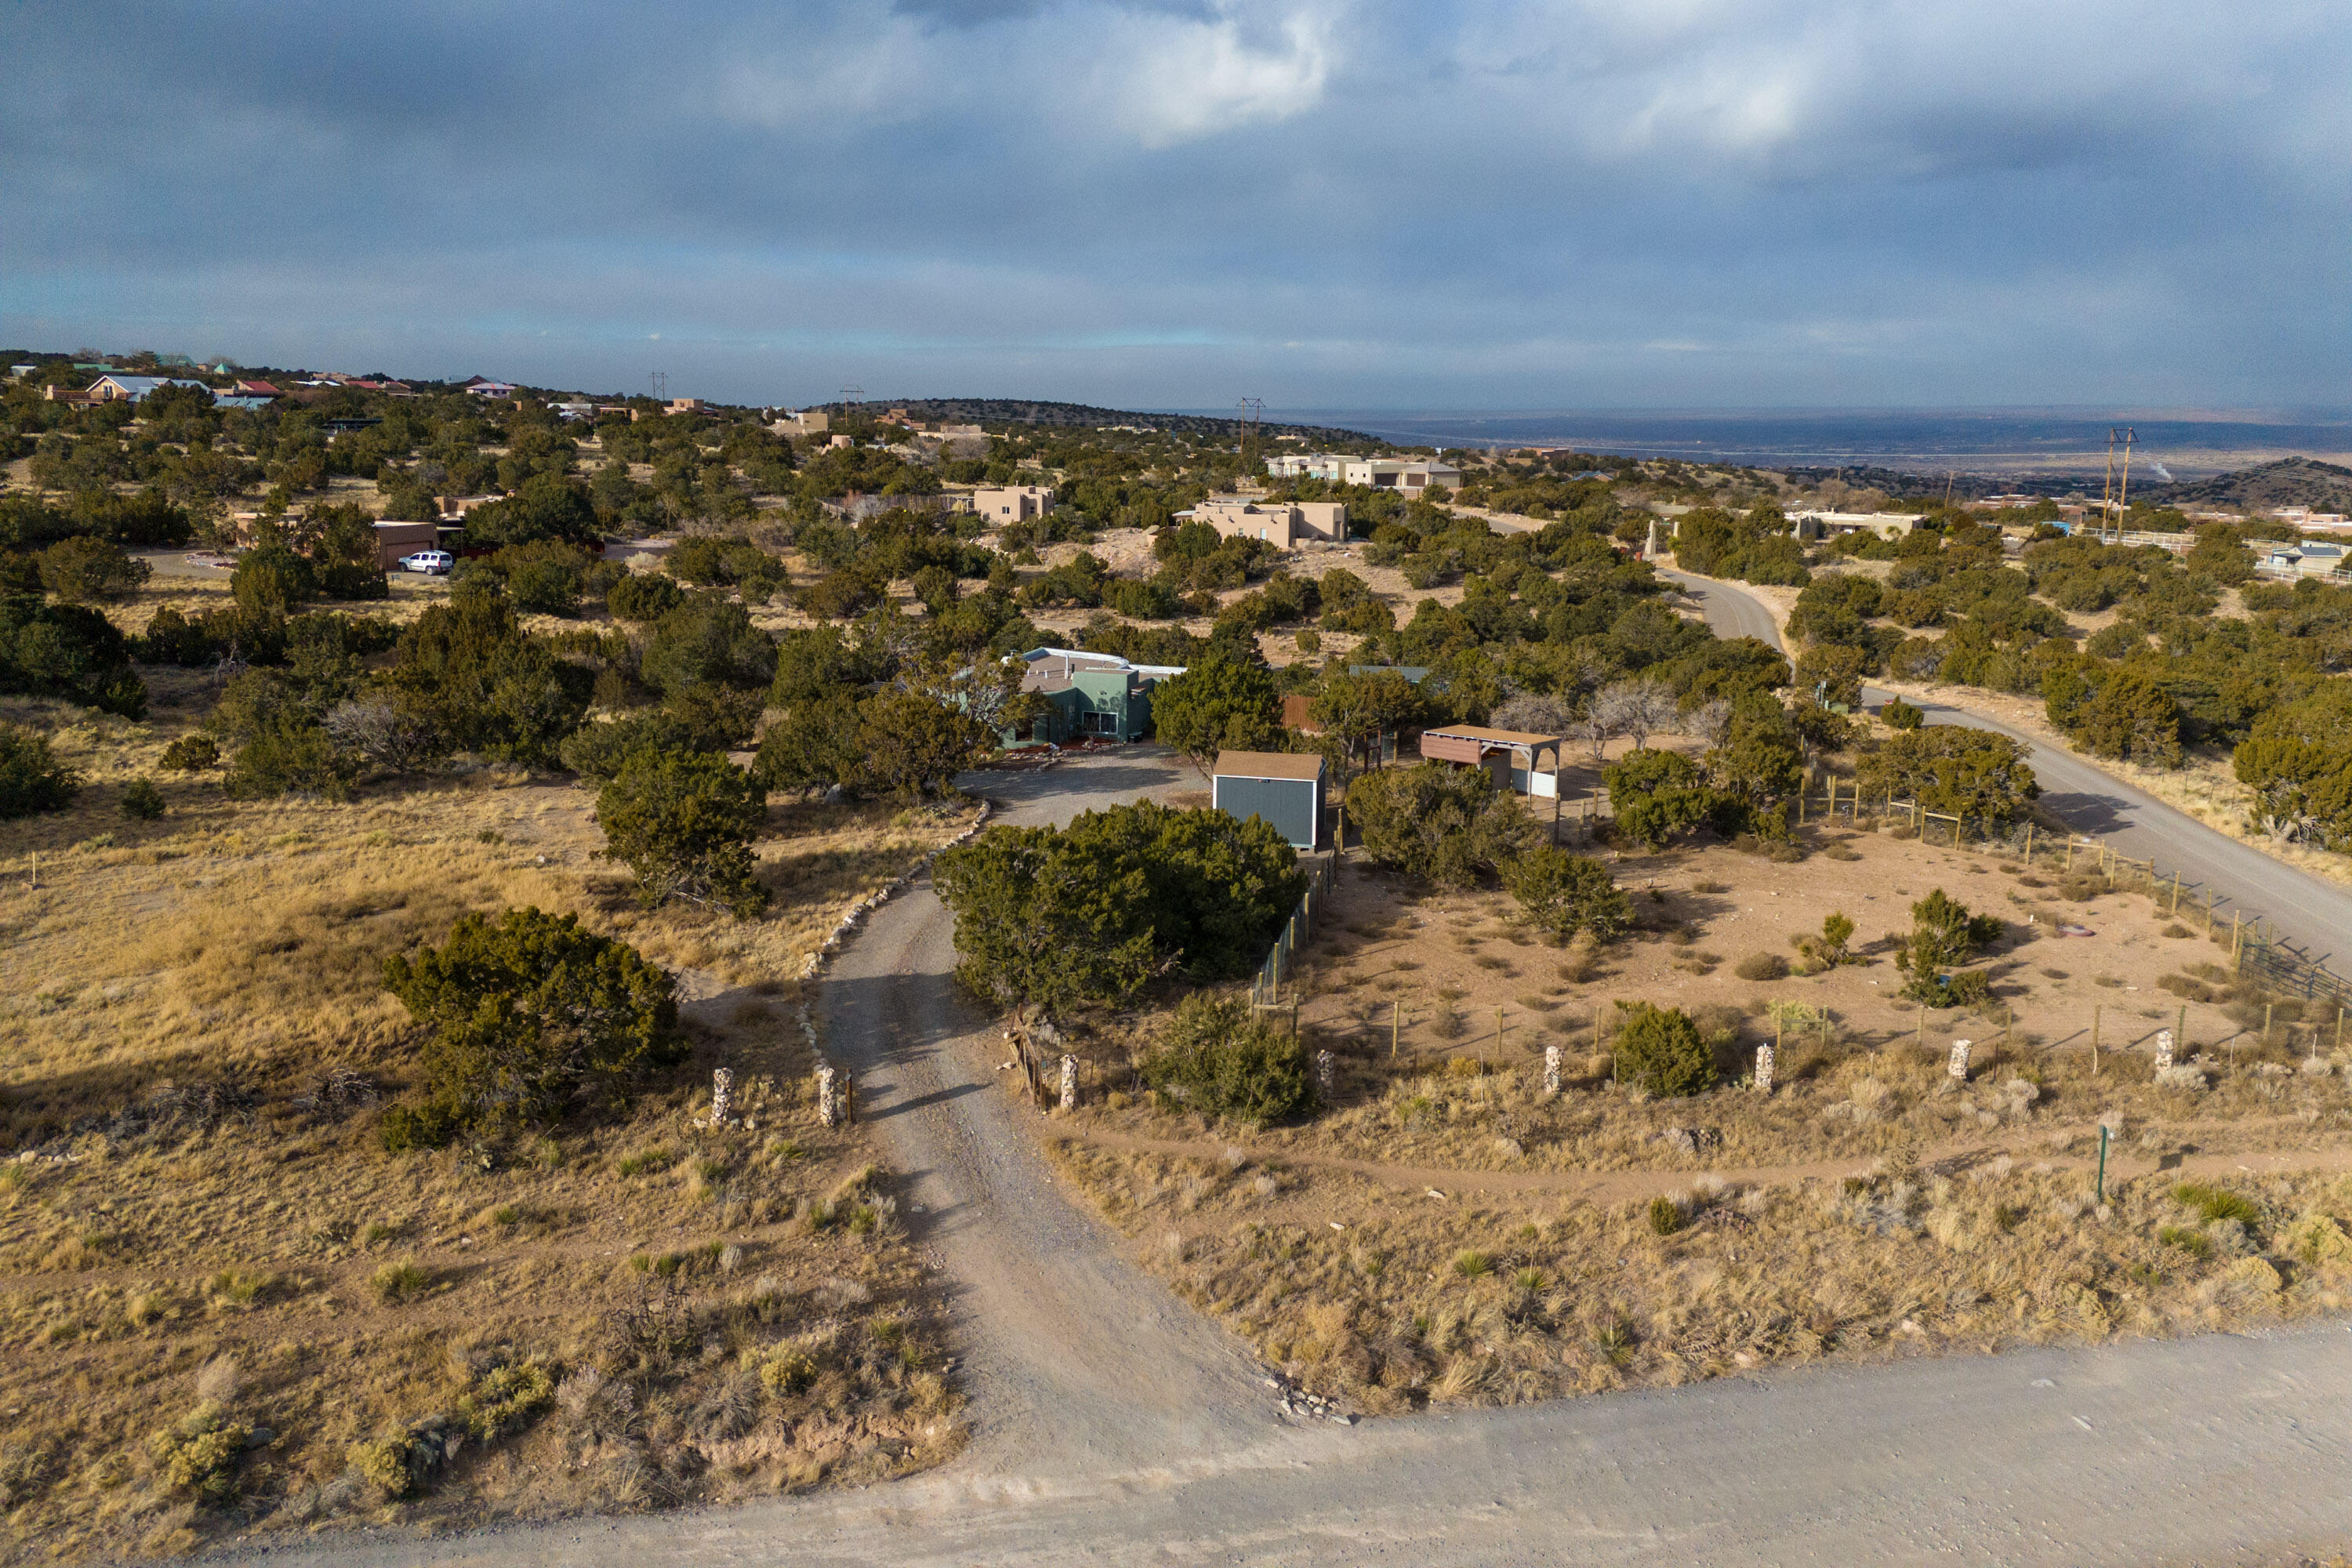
1448,825
191,753
1948,768
386,1464
2214,1204
504,1399
427,1126
2192,1241
1082,915
395,1283
199,1454
1221,1058
70,651
272,580
532,1013
1763,967
1832,947
644,597
789,1371
685,823
1943,934
80,571
1900,715
141,801
1665,1215
543,576
31,777
1564,894
1473,1265
1659,1050
708,639
290,753
1218,704
1656,796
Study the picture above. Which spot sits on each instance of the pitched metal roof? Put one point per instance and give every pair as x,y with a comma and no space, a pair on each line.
1268,765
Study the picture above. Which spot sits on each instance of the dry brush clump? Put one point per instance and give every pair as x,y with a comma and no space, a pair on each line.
1718,1278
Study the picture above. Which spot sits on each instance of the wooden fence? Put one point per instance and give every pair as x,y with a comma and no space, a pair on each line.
2257,952
1322,877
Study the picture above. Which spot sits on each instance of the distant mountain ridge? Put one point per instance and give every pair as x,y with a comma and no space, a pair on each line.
1080,415
2289,481
2285,481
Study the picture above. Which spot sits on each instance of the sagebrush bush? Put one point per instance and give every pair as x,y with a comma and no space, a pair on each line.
504,1398
199,1454
1763,967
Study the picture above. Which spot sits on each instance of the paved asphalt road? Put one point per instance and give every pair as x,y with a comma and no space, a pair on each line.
1112,1425
2315,916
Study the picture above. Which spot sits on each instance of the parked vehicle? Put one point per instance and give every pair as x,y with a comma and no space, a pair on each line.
435,562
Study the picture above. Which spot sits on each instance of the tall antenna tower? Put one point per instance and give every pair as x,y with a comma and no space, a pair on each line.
659,381
850,395
2122,435
1252,415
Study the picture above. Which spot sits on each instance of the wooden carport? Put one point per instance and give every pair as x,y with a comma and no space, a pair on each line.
1470,745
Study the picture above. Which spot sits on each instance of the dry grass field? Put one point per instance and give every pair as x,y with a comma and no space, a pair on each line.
225,1309
1444,1230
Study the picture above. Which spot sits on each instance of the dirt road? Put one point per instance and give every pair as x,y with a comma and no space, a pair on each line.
1116,1427
2314,914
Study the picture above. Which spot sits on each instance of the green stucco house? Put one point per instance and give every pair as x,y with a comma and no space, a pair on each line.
1088,697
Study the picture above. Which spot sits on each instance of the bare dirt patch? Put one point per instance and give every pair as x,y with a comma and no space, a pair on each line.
1444,1230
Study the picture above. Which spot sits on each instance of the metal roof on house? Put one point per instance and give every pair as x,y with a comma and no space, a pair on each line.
1493,737
1073,658
139,386
1268,765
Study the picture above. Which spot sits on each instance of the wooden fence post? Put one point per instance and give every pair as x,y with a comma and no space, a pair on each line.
2098,1013
2176,891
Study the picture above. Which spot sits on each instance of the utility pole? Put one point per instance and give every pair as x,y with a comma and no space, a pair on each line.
850,395
659,382
2126,436
1252,415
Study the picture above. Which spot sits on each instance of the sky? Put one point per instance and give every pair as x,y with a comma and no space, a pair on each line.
1176,203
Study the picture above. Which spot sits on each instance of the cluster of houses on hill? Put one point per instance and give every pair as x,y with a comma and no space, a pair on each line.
1103,696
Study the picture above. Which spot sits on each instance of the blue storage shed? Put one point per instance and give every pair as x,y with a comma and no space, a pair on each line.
1285,789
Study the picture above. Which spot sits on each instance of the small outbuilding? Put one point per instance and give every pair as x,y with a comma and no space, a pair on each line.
1283,789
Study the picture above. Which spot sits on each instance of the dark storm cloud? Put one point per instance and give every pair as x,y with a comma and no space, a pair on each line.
1498,205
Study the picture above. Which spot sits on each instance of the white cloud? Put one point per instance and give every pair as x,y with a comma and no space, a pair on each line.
1185,77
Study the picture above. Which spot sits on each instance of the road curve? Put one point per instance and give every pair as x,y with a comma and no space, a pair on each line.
2313,914
1116,1427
